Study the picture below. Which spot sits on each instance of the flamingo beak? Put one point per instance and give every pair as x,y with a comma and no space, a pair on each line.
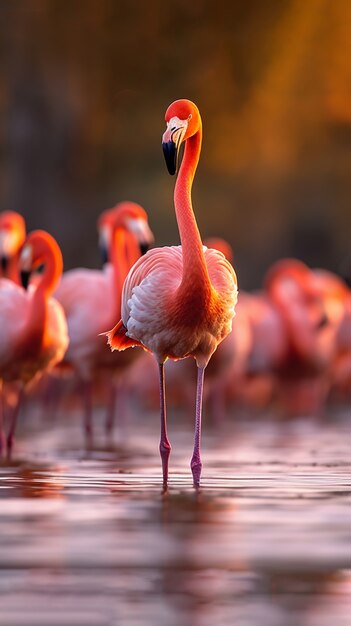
170,154
144,246
103,254
171,142
104,244
322,322
26,265
141,229
7,248
25,277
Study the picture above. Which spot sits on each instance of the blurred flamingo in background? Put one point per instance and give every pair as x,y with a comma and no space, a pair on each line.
301,374
179,301
33,326
92,300
336,331
12,237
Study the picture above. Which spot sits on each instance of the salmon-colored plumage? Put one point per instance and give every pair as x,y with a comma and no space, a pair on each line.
34,331
179,301
92,299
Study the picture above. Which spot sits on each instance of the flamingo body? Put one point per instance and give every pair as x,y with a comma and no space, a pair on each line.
92,298
20,358
79,292
34,332
173,327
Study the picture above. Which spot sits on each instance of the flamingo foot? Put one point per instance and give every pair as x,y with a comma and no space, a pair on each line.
165,451
196,468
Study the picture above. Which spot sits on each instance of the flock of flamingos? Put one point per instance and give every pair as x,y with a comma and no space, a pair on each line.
290,343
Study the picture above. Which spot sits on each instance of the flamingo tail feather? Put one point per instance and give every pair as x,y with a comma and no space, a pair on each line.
118,340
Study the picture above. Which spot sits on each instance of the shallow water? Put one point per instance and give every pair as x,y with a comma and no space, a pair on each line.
88,539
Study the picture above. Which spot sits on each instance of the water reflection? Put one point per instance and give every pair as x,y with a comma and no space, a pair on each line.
91,539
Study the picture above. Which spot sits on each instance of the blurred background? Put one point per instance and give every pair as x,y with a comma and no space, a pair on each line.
84,86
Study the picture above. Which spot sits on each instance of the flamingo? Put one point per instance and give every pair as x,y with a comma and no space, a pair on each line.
179,301
336,332
295,293
12,237
33,326
92,299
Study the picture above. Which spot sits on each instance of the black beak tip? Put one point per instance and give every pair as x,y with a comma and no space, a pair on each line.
143,247
170,154
322,323
4,263
104,255
25,276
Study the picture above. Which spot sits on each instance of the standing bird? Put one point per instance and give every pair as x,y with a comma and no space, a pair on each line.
179,301
12,237
296,294
33,335
92,299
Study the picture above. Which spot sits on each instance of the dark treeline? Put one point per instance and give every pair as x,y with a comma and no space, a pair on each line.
83,90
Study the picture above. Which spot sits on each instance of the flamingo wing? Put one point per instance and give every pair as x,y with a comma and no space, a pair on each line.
151,281
147,296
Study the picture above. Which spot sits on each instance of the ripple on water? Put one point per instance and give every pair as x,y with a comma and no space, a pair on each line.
91,539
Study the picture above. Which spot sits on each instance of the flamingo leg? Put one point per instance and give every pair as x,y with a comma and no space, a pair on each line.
87,390
117,399
2,433
165,446
13,423
111,410
196,465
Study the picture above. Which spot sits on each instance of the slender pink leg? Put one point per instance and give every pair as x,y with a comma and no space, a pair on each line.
13,424
196,465
87,390
111,410
218,407
2,433
165,446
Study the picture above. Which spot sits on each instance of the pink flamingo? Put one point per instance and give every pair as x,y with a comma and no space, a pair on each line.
336,332
34,332
179,301
12,237
124,235
293,290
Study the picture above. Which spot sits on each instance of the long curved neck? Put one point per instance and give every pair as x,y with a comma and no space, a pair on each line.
12,269
194,264
124,253
37,321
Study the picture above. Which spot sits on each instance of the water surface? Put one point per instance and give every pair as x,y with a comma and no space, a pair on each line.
89,539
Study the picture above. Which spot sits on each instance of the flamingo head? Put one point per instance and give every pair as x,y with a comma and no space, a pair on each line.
293,281
183,121
221,245
130,217
41,253
12,236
